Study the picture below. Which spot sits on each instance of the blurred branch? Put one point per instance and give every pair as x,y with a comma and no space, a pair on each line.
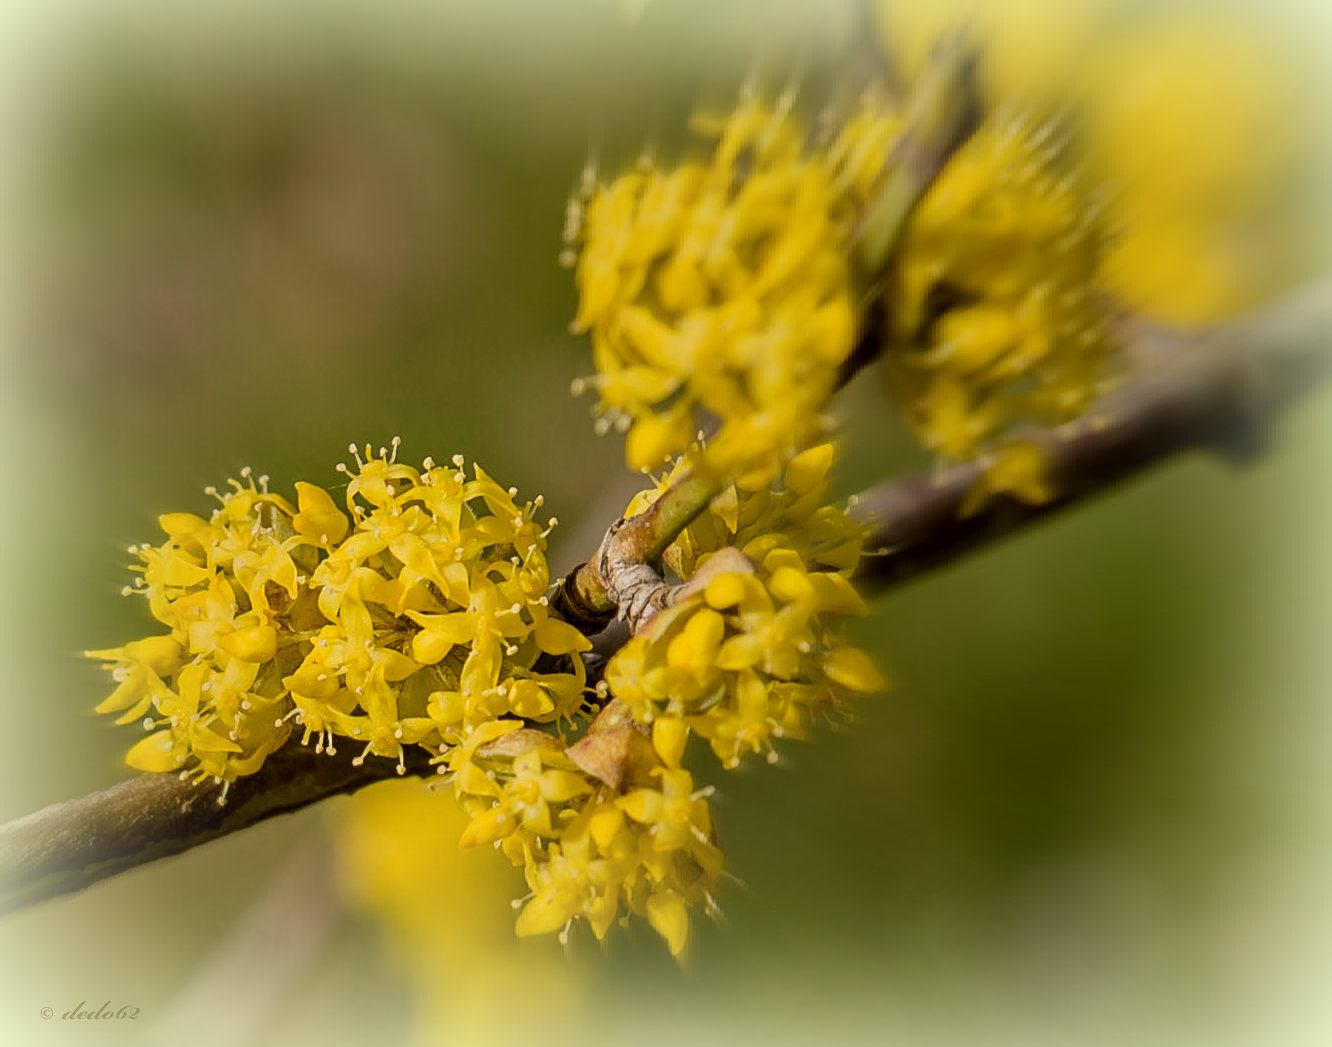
68,846
1211,389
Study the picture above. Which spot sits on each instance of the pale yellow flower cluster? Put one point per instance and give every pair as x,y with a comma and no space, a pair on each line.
748,653
723,287
410,619
1190,114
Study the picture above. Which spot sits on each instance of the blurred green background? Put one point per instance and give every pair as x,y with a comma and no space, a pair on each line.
1094,807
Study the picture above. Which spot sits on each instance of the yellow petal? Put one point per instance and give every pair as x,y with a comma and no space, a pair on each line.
853,668
319,518
487,827
809,468
726,590
653,439
206,740
316,683
669,917
642,805
836,595
696,646
563,786
180,525
447,707
176,571
559,637
604,824
601,913
131,690
790,585
528,698
155,753
550,910
161,654
669,735
440,633
258,643
739,652
832,331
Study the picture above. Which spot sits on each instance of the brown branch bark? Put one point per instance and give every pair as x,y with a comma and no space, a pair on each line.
68,846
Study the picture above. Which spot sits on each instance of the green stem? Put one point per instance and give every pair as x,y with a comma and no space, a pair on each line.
942,111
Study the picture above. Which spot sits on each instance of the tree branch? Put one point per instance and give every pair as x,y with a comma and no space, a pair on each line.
69,846
1212,389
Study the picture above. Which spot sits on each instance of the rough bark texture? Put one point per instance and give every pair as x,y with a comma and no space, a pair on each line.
67,846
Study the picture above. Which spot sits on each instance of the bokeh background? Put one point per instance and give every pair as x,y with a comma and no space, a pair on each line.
1093,809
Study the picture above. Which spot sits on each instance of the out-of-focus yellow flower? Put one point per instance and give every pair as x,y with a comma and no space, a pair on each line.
1188,119
999,320
1034,51
448,918
723,285
1174,199
1194,123
414,616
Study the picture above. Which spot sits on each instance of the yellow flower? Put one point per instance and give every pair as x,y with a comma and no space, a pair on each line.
1189,117
723,286
1000,323
446,915
583,858
1177,195
748,654
656,861
1033,51
415,615
1195,121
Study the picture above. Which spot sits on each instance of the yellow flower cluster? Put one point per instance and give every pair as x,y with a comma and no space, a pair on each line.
1197,117
999,319
408,620
1190,113
723,286
746,655
589,849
